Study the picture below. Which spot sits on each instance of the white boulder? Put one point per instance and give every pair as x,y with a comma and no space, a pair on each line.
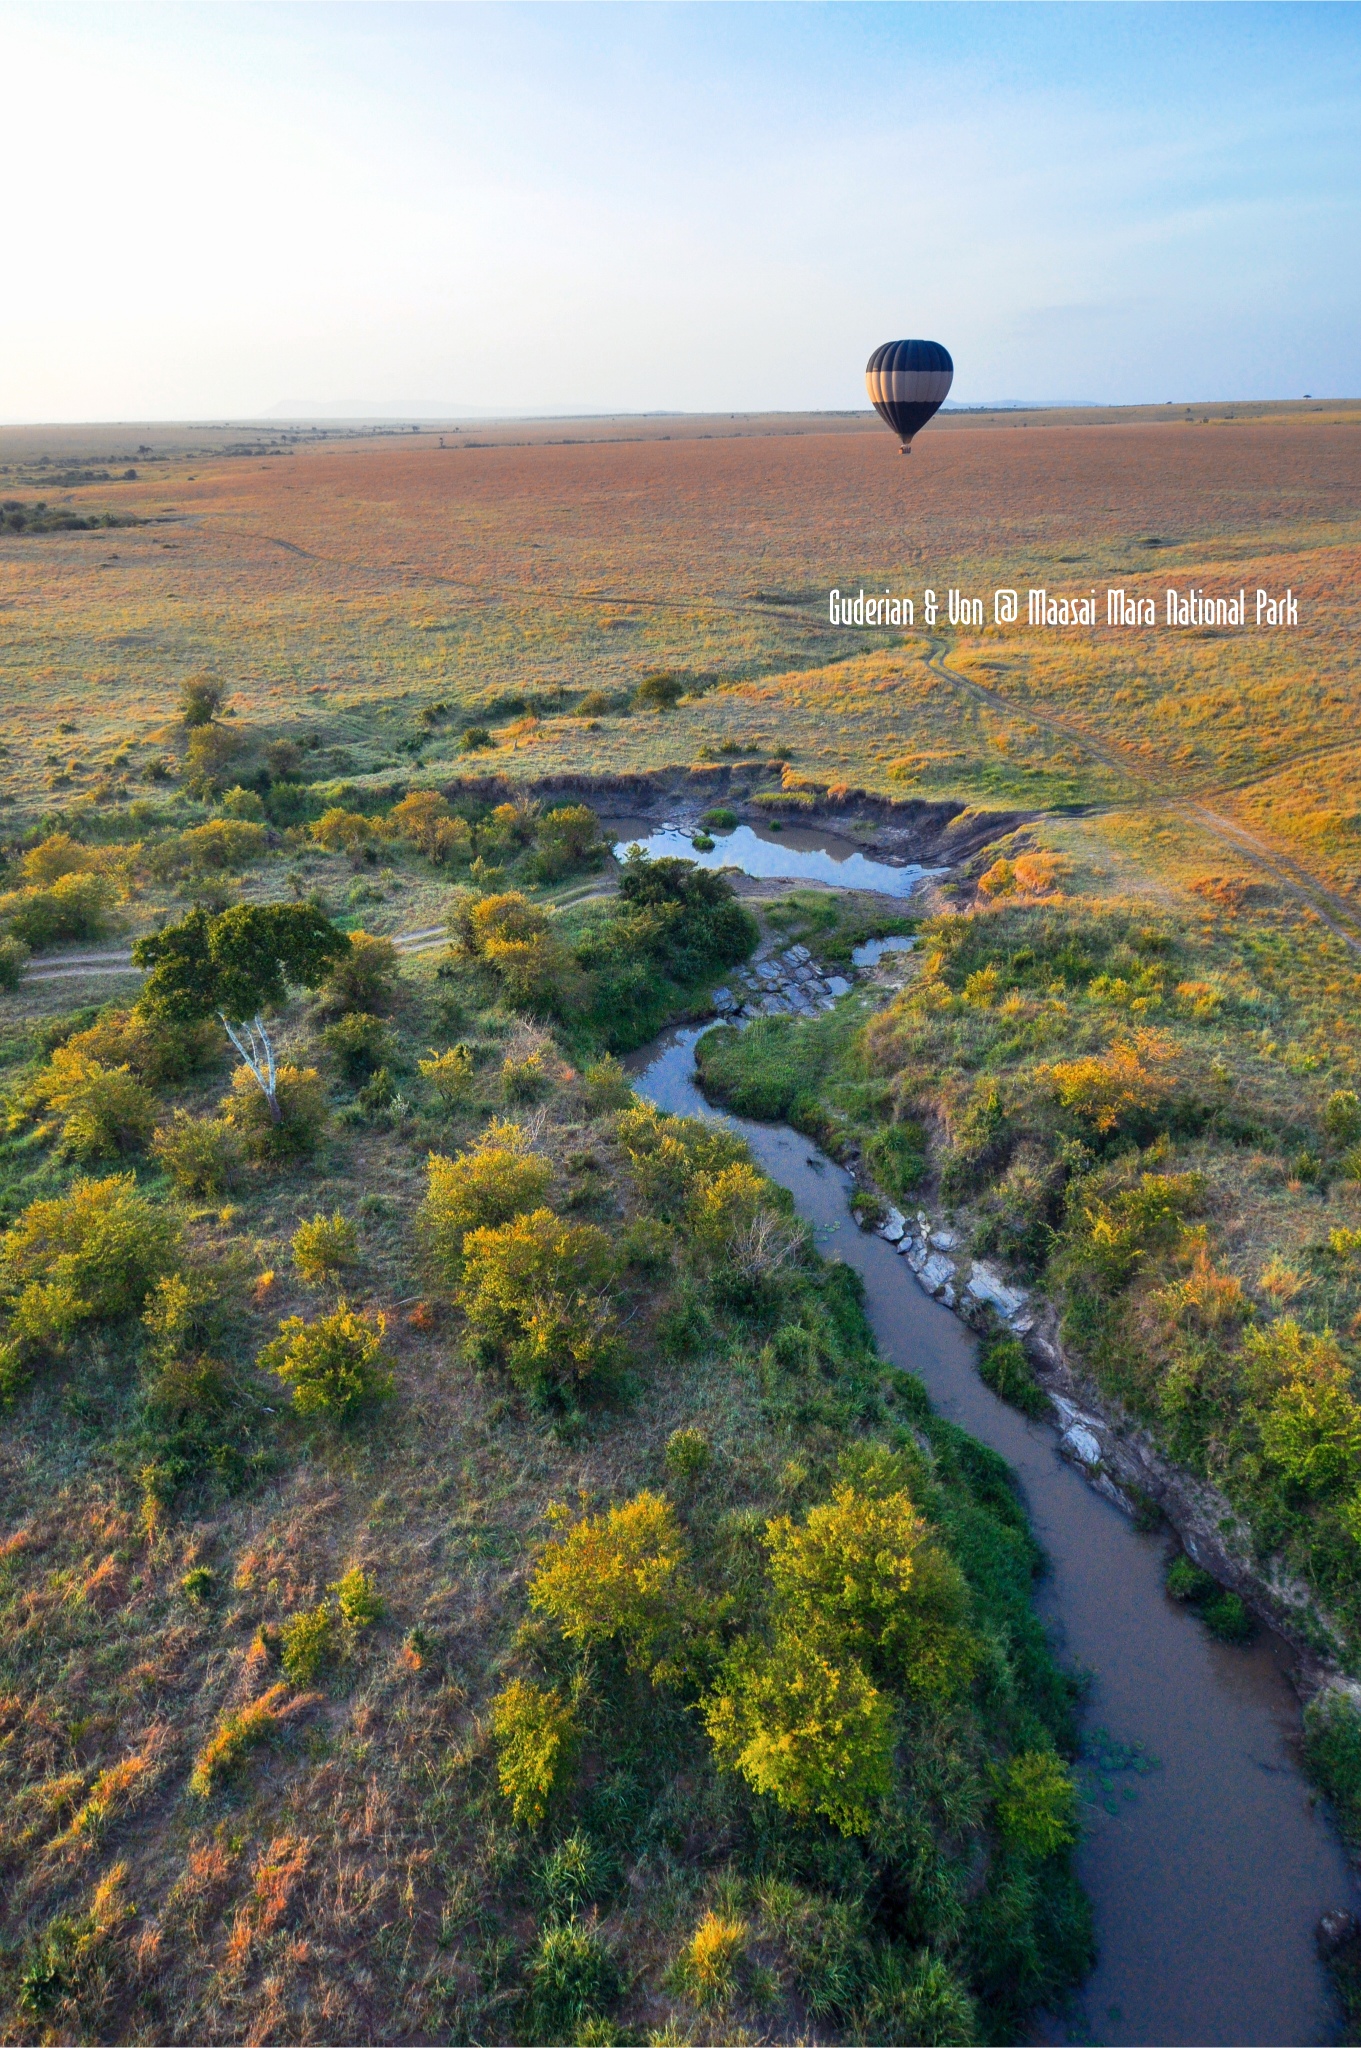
986,1284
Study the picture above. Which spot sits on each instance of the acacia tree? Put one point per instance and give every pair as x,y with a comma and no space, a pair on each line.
235,967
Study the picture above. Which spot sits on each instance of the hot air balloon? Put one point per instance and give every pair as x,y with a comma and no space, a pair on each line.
907,380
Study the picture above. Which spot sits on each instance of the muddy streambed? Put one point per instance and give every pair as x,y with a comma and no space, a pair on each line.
1206,1864
796,853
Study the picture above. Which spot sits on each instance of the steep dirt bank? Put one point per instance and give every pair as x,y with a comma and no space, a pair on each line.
909,828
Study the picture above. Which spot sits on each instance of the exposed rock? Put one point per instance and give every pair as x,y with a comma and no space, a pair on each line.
1081,1444
935,1271
986,1284
893,1226
944,1240
1335,1931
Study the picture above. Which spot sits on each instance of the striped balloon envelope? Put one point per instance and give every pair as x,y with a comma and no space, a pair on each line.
907,380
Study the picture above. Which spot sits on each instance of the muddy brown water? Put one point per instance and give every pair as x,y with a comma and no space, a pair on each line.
1206,1862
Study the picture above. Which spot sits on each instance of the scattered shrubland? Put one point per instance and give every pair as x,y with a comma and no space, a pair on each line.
419,1449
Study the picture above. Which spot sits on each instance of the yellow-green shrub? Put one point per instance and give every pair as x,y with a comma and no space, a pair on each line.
335,1366
536,1738
106,1112
450,1073
223,845
307,1642
363,978
75,906
303,1113
537,1290
91,1255
1307,1414
496,1179
201,1154
155,1050
342,831
805,1726
1107,1089
1037,1803
865,1573
620,1574
325,1248
57,855
706,1969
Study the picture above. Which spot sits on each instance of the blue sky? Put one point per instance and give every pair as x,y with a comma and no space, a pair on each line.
212,211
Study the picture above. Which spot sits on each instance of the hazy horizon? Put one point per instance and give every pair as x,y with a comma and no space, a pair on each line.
577,210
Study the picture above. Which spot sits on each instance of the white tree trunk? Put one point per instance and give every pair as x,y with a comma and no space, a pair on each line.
252,1042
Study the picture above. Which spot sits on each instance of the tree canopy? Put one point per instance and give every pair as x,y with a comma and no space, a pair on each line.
238,963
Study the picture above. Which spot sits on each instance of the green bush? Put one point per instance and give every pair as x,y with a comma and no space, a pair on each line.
688,1456
896,1156
359,1044
200,700
659,692
1228,1618
203,1155
572,1980
75,907
1332,1755
358,1598
307,1643
921,2000
450,1074
1342,1116
1003,1366
648,1246
567,840
606,1086
362,979
335,1366
805,1728
575,1874
13,960
106,1112
721,820
1037,1804
617,1576
1186,1581
156,1050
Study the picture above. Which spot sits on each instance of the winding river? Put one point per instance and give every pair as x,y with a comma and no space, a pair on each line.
1207,1864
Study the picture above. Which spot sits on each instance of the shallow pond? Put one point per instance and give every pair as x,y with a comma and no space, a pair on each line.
1206,1863
798,853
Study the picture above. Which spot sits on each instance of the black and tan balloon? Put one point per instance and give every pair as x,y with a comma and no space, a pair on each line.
907,381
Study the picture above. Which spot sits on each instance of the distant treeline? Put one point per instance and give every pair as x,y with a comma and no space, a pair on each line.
40,517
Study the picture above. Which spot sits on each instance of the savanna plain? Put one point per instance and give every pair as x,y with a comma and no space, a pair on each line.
466,1573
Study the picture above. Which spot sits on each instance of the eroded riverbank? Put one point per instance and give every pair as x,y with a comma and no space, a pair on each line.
1207,1863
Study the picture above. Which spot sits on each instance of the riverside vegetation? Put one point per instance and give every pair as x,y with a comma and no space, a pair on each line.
466,1572
1145,1117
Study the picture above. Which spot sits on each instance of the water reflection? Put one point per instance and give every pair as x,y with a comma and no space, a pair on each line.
797,853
